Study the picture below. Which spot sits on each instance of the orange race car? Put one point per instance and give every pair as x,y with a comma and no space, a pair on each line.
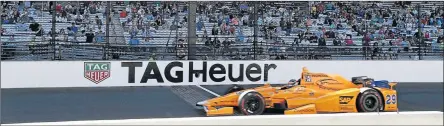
312,93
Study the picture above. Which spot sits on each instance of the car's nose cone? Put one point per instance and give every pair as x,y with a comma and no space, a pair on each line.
201,103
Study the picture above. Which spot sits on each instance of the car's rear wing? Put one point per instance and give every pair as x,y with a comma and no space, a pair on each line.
393,85
305,70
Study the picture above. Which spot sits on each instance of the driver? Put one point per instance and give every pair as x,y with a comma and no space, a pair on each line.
291,83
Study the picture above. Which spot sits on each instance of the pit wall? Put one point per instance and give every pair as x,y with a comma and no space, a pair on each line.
51,74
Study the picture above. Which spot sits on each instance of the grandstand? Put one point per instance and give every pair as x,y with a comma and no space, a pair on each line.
295,30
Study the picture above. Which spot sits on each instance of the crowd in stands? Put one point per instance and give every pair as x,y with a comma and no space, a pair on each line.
224,25
72,20
372,24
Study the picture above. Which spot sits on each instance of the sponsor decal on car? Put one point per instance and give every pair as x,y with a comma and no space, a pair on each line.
328,81
305,110
318,75
345,99
324,84
311,93
299,89
327,88
346,108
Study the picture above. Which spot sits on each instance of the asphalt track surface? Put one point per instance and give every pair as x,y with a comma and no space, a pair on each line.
73,104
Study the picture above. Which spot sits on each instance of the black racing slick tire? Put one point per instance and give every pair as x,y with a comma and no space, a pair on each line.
234,88
252,103
369,101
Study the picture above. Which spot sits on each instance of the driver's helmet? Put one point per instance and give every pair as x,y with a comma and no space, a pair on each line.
368,83
292,82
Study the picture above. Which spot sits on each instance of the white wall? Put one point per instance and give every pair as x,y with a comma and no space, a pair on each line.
38,74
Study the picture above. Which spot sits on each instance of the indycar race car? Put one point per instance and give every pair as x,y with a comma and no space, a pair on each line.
312,93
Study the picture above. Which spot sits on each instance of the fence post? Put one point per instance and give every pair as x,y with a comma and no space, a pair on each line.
1,27
53,29
255,28
419,31
107,21
192,30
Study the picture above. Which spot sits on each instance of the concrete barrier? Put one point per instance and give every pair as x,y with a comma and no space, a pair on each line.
386,118
45,74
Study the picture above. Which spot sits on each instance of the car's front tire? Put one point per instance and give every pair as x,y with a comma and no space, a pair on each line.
369,101
252,103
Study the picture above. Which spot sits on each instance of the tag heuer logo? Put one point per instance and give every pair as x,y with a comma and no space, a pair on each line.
97,71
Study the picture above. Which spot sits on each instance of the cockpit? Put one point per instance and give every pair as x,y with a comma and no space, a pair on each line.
291,83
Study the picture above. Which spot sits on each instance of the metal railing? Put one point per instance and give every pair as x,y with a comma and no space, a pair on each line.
246,51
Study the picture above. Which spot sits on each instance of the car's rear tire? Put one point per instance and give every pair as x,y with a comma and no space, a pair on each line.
369,101
234,88
252,103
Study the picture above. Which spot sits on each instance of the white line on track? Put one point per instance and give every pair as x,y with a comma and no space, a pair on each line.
310,119
211,92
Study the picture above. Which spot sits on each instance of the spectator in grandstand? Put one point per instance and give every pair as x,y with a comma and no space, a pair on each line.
145,34
100,37
231,29
224,28
40,32
24,16
305,41
435,46
427,35
89,36
440,39
59,8
16,15
199,25
349,41
376,50
2,31
209,42
322,41
439,23
235,21
226,43
133,40
73,31
280,57
240,35
406,45
181,49
99,22
68,9
288,28
60,19
159,22
4,16
79,17
216,43
133,31
63,35
22,26
215,30
152,57
123,14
